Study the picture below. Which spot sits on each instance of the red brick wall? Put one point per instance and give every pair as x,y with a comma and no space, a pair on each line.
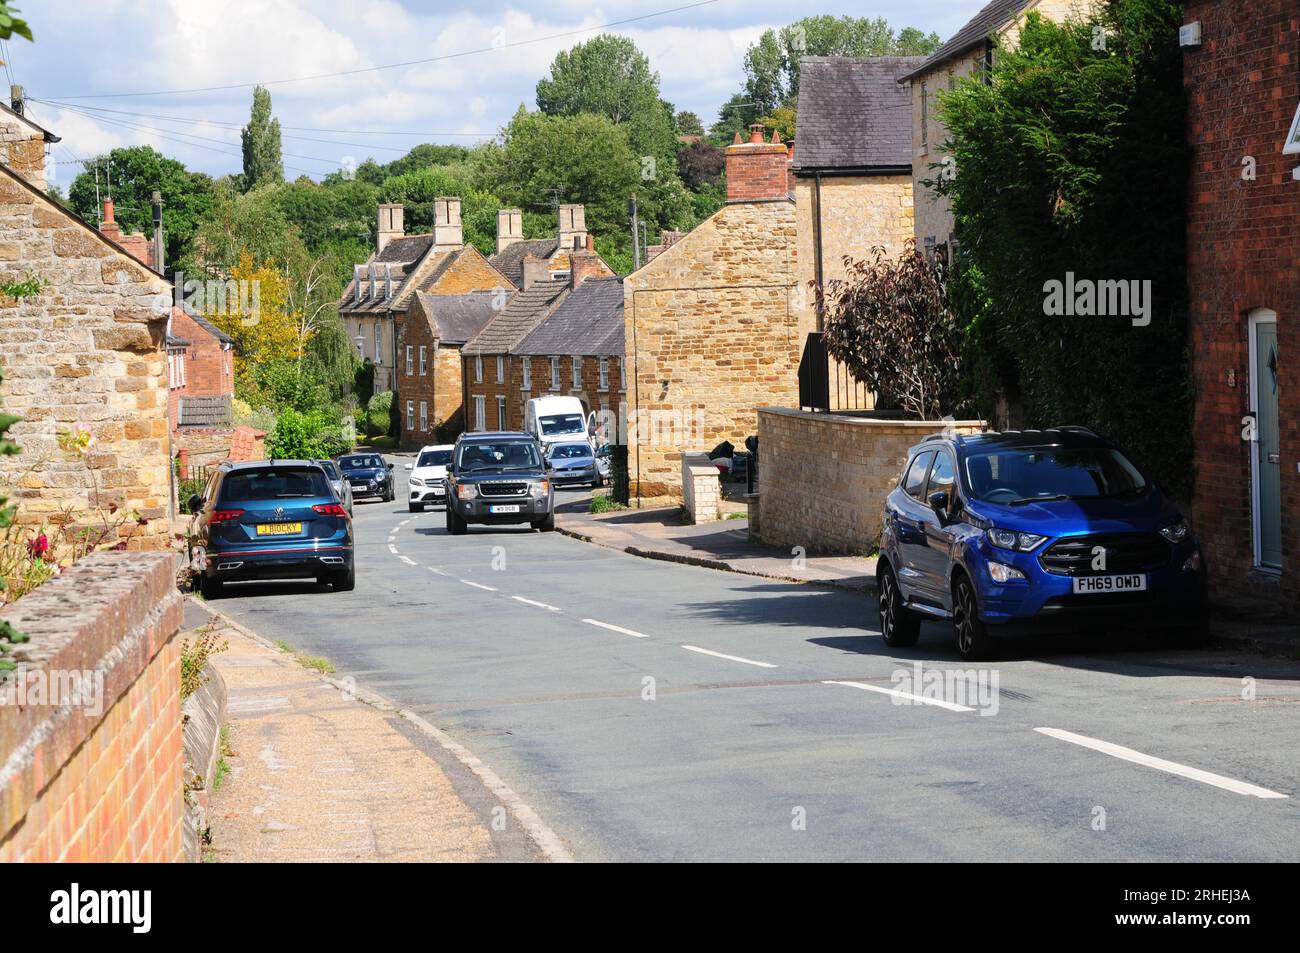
516,397
758,171
209,366
1244,253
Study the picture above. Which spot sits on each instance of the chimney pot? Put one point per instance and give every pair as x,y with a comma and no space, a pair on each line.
108,211
756,132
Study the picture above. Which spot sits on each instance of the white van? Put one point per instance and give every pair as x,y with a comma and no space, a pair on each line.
555,418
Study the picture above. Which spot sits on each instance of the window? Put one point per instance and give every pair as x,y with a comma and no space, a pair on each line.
424,360
555,372
424,417
577,372
501,413
480,412
1292,145
410,415
478,368
361,343
410,362
943,478
925,117
914,480
528,374
501,369
622,375
379,344
604,373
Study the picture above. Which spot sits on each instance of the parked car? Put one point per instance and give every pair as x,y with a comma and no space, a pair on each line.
1024,531
604,461
498,478
271,520
342,488
556,418
427,484
572,463
368,475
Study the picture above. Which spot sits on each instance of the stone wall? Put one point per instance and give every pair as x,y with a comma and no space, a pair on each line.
87,350
96,776
701,489
22,149
824,477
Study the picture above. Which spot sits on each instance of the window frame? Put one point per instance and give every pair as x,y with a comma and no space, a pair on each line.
410,415
527,378
410,361
478,368
576,371
480,413
1291,145
925,474
555,372
602,371
501,411
424,416
501,369
424,359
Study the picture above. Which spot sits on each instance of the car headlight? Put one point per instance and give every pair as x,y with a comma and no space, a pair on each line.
466,491
1010,539
414,482
1176,533
541,489
1003,573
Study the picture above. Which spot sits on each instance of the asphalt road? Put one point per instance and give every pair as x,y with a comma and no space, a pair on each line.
653,711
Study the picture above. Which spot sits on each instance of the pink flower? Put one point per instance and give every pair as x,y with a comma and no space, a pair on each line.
38,547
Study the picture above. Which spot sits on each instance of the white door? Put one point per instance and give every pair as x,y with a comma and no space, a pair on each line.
1266,456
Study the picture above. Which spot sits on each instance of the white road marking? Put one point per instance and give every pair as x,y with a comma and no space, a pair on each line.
392,549
533,602
1160,764
435,569
616,628
408,560
918,699
478,585
730,658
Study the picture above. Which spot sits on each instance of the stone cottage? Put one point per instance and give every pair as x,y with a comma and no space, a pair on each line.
85,352
713,323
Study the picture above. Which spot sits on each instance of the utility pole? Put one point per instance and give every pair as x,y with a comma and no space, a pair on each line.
16,99
636,233
158,257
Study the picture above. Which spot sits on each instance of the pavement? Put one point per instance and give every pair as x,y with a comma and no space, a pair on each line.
317,774
642,709
660,533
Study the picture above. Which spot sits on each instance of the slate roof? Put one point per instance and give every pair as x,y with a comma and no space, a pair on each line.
205,411
457,318
525,311
403,255
853,114
993,17
510,260
208,326
583,323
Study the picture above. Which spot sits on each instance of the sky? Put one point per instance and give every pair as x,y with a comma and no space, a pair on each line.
132,56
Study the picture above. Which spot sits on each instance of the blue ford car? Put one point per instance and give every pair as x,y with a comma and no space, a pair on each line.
271,520
1028,531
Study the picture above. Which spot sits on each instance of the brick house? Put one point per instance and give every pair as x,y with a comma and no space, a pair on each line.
512,248
968,52
200,371
577,351
88,350
713,324
431,335
1244,292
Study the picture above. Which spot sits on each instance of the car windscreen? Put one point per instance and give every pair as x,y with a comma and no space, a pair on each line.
434,458
570,451
1023,474
561,424
330,469
360,463
476,455
274,483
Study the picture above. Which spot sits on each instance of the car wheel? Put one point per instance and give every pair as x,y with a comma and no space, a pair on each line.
455,525
547,524
211,588
415,507
899,627
973,640
346,580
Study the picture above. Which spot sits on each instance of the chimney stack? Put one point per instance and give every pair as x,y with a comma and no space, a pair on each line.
134,244
584,265
390,225
447,232
535,270
758,171
510,228
572,231
109,227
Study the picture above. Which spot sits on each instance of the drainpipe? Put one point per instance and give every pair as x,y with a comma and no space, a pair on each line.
817,241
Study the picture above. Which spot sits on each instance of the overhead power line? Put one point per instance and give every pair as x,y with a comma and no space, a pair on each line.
375,69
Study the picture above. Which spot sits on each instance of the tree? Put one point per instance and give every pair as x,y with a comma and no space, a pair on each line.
701,163
1073,159
891,323
131,175
261,142
688,124
607,76
262,321
11,25
418,188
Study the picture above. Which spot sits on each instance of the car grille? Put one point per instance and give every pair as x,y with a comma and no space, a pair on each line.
1127,552
503,489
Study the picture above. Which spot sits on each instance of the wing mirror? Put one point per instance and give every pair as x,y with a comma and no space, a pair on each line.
939,503
410,466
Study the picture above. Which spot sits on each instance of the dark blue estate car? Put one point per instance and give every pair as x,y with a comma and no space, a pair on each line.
369,475
271,520
1022,531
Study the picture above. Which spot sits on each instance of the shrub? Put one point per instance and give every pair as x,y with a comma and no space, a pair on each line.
195,656
307,436
378,412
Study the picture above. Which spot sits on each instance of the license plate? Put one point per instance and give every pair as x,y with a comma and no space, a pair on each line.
1087,585
278,529
512,508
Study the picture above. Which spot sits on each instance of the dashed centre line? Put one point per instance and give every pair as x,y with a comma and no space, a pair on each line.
534,602
730,658
478,585
896,693
616,628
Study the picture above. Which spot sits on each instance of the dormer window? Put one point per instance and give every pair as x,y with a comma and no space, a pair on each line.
374,281
359,277
1292,145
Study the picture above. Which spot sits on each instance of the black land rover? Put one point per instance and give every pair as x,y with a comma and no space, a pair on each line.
498,478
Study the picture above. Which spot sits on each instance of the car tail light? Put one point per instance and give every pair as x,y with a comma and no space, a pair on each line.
330,509
225,516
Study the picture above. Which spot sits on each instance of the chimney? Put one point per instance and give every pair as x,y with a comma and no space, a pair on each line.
390,225
584,265
572,231
135,244
447,232
758,171
510,228
535,270
108,226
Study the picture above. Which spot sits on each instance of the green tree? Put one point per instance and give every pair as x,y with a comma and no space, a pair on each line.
1073,159
263,162
688,124
418,188
131,175
607,76
11,25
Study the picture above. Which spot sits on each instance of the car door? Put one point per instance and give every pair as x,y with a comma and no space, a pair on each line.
934,562
908,516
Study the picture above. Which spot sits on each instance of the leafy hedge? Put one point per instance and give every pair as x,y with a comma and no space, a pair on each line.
306,436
